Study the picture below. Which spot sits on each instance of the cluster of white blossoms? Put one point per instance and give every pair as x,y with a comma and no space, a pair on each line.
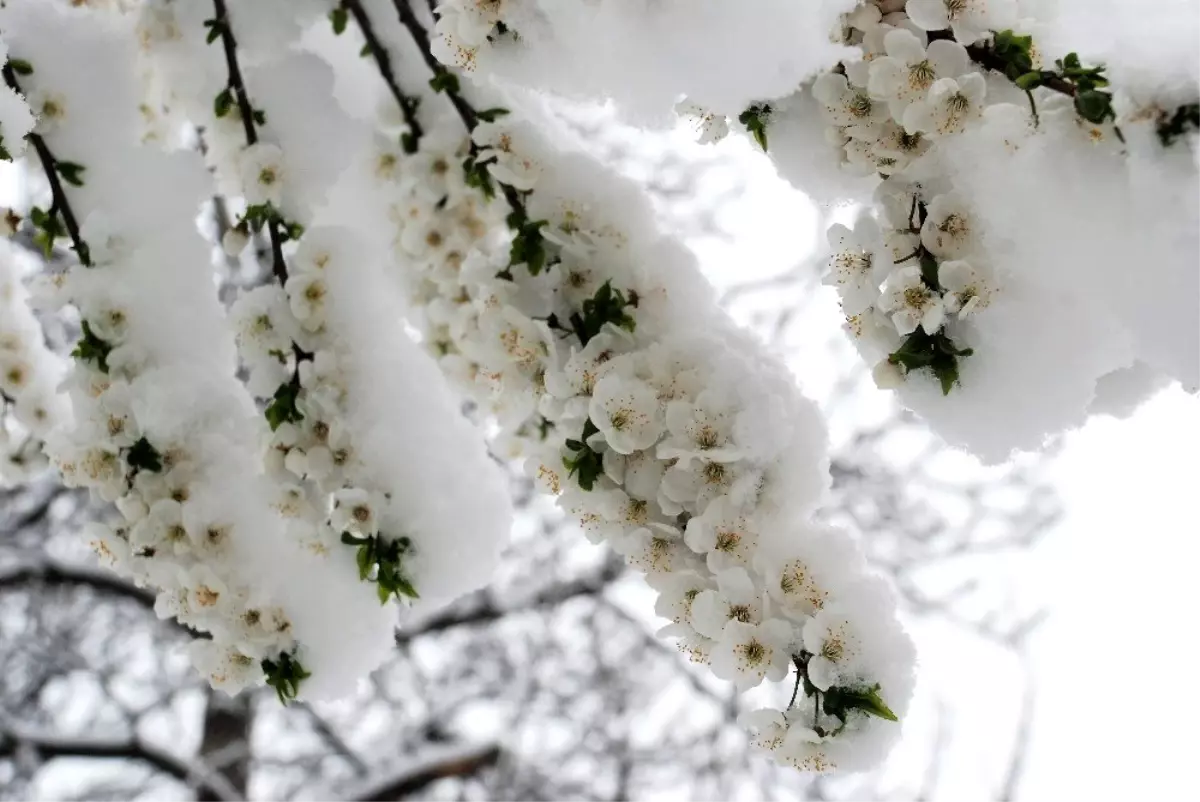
29,375
957,124
438,221
663,429
156,425
464,27
323,378
362,446
16,120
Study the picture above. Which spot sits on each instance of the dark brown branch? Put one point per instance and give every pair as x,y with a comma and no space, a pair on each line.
49,746
985,57
459,762
225,742
408,105
57,575
490,611
229,45
59,202
466,112
417,31
53,575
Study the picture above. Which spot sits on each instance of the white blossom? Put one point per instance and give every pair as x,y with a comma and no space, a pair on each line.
911,302
859,262
967,287
949,231
951,105
627,413
747,654
262,174
354,510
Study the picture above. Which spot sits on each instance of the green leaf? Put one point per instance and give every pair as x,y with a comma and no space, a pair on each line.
528,247
259,116
491,115
20,66
290,230
839,701
285,676
405,588
755,119
91,348
365,559
606,305
408,142
475,174
143,456
71,172
1030,80
444,81
934,351
588,464
1094,106
1015,54
338,18
215,28
223,102
282,408
48,228
366,51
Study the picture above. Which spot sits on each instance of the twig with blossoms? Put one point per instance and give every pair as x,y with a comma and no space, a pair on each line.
354,511
407,104
445,81
647,441
47,222
131,442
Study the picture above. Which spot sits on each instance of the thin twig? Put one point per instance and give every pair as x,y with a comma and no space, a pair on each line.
408,105
59,202
465,111
229,45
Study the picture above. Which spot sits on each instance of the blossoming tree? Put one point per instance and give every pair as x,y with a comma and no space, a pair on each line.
290,467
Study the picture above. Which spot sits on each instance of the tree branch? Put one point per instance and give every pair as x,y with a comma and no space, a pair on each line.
466,112
60,575
491,611
408,105
48,746
455,761
238,85
59,202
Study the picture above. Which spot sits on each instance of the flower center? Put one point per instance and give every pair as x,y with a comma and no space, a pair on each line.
921,75
361,513
916,297
714,473
727,541
754,652
860,105
833,649
707,438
